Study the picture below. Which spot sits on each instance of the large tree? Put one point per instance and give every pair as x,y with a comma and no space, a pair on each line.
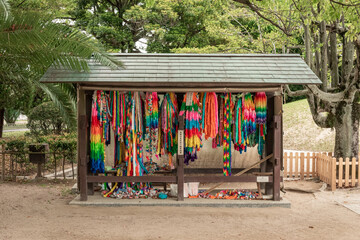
331,33
30,42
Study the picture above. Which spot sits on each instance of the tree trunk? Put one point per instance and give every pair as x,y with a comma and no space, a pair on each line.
347,130
334,59
2,113
324,57
307,45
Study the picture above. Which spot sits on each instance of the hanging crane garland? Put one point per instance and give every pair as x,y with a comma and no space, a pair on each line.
167,141
228,106
210,121
260,108
97,148
134,119
152,123
191,108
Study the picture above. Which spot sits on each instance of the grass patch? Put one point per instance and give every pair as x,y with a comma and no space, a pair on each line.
14,134
17,126
301,132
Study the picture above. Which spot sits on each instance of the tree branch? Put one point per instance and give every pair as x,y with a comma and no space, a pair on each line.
320,118
345,4
296,93
256,9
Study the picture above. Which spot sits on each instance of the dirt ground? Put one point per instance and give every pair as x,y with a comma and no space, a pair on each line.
41,211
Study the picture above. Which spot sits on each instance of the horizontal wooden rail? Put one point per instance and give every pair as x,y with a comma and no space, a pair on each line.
172,179
155,179
216,179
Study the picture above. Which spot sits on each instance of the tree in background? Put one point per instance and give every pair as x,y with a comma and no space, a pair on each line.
30,43
105,20
331,33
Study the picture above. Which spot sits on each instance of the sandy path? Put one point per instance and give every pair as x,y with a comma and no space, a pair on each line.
40,211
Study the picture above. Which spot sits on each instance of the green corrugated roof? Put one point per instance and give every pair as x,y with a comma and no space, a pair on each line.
218,69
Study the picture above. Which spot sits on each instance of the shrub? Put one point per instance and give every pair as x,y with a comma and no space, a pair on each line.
46,119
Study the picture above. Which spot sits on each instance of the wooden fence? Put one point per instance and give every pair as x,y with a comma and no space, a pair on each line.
335,172
299,165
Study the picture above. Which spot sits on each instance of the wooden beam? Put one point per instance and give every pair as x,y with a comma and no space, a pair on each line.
82,162
155,179
88,102
277,145
182,89
222,179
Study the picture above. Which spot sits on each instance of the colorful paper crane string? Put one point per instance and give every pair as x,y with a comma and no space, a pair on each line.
210,115
167,140
228,105
260,107
190,107
152,123
97,152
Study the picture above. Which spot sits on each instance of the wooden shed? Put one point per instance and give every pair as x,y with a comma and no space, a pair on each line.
181,73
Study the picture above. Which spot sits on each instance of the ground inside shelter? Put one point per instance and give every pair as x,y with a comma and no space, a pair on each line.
42,211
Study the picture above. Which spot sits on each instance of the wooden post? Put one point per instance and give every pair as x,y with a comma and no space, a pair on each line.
340,183
347,169
297,160
277,145
291,160
302,159
82,163
88,102
180,160
333,174
353,171
358,184
285,164
307,157
269,142
3,163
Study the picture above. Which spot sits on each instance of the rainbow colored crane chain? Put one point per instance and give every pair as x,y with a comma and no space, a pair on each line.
190,107
261,108
152,123
97,148
227,134
167,140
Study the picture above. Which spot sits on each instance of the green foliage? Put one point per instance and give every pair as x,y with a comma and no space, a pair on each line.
61,147
46,119
31,42
11,115
105,21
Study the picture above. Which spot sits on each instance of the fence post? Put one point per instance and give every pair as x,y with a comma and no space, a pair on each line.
333,174
3,162
315,164
347,169
285,163
358,171
302,166
353,171
291,163
297,158
341,172
307,157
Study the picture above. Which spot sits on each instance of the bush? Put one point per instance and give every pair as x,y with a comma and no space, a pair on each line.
62,147
45,119
11,115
